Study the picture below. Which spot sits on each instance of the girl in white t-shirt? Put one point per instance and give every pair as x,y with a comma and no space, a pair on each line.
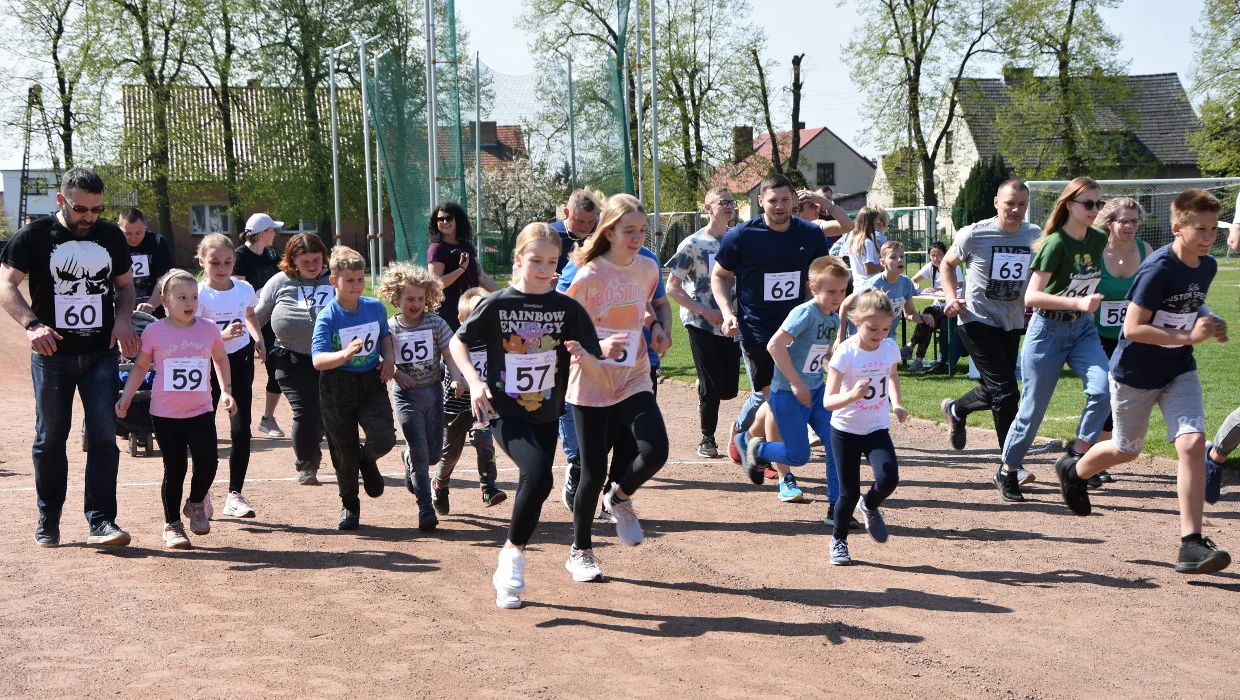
229,304
862,383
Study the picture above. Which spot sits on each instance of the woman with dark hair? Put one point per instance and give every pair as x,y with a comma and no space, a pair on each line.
453,259
291,302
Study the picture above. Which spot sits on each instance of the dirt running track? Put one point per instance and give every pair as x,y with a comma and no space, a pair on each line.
731,595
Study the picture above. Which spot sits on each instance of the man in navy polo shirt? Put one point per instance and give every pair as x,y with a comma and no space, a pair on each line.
768,257
580,218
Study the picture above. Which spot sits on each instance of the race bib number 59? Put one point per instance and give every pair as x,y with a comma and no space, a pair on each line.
186,374
527,374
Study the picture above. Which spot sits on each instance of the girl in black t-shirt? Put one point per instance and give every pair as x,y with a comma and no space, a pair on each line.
530,332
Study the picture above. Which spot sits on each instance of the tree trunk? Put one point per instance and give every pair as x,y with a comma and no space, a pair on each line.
160,160
682,107
794,155
766,112
1067,133
320,170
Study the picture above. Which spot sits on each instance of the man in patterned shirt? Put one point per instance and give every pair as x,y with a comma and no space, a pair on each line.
715,355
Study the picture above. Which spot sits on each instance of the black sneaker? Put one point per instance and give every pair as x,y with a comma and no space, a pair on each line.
492,496
47,532
108,533
955,426
439,499
1105,477
349,519
372,478
1094,482
427,522
854,525
1008,484
937,368
1076,495
755,466
568,492
1201,556
707,447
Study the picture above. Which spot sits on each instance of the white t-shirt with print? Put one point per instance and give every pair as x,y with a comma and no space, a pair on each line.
872,411
227,307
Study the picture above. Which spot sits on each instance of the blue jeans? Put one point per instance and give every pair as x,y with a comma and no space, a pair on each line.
568,435
1049,345
95,377
749,409
420,414
791,418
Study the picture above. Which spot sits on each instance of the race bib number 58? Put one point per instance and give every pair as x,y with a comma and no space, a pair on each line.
527,374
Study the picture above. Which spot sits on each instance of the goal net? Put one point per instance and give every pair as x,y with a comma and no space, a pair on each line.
1155,195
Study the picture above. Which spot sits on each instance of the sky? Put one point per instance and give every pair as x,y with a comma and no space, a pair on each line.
1155,40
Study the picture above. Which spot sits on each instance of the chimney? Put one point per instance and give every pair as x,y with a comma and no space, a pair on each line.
1013,75
742,143
490,135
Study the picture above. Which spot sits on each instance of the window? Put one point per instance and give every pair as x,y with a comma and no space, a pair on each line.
36,186
826,174
208,218
300,226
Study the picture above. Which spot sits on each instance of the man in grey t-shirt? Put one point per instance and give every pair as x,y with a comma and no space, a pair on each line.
996,254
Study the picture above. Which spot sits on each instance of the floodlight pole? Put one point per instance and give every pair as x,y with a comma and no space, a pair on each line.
331,82
572,127
478,142
432,126
654,130
637,7
370,204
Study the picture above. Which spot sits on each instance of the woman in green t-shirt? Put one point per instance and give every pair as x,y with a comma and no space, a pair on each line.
1120,218
1063,290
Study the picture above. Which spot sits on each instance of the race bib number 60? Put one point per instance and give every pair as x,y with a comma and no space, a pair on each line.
81,311
186,374
781,286
527,374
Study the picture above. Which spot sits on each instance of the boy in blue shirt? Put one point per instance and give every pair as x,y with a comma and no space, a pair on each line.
352,350
892,280
801,348
1154,364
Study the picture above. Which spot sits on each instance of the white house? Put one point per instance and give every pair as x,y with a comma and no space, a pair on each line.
825,159
41,198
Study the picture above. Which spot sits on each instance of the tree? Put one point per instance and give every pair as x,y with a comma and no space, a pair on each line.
1055,126
976,199
517,192
1216,78
914,67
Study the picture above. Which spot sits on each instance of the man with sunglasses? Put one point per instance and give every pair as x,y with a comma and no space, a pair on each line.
82,299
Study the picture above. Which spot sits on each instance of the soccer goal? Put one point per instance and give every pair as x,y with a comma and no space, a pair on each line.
1155,195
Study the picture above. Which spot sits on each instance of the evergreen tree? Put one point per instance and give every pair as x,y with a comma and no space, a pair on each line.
976,200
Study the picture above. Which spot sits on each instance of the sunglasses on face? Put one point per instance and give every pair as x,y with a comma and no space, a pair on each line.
79,209
1128,222
1090,204
442,219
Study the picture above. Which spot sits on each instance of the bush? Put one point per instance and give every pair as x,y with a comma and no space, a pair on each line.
976,200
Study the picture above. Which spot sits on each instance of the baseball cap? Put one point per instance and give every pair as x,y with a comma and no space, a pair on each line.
261,222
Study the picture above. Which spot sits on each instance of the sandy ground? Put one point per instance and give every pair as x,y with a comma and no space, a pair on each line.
730,596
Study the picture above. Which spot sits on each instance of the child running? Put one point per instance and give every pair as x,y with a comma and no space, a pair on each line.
899,288
460,428
183,349
801,348
352,349
616,410
1154,364
861,382
420,341
229,303
530,332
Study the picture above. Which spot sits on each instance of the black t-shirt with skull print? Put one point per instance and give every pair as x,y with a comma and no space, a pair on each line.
71,279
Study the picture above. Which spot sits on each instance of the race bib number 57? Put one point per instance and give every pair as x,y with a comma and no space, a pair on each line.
527,374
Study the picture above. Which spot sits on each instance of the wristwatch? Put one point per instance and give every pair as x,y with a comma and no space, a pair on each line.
32,324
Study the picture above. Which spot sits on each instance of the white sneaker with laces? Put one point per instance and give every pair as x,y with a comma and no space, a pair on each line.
509,578
174,536
628,527
583,566
199,523
236,505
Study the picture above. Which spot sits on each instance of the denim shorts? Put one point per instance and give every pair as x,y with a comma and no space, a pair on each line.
1180,402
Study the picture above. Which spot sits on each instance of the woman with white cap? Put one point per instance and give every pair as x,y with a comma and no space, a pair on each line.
256,261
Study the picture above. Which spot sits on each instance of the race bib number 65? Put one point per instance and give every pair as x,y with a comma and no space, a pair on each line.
527,374
781,286
628,356
415,347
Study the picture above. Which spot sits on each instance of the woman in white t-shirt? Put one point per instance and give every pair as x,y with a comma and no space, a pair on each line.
862,383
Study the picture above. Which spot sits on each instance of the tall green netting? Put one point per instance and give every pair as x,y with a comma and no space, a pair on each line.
448,83
398,103
620,112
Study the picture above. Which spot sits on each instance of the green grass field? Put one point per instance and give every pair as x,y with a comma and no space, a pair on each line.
922,394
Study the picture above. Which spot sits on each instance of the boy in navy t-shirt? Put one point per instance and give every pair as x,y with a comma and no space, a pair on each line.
352,349
1154,364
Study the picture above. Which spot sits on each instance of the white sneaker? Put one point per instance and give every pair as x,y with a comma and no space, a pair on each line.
267,426
199,523
583,566
174,536
509,578
814,440
628,527
237,506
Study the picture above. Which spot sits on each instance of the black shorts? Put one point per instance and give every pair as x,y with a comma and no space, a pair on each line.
758,364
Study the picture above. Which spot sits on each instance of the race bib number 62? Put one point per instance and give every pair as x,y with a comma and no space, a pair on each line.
781,286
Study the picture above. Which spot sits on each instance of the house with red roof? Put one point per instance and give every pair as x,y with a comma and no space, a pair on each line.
825,160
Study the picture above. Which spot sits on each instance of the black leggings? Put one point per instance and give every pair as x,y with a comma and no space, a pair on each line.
995,353
532,447
241,365
717,360
269,342
848,449
634,428
299,381
179,440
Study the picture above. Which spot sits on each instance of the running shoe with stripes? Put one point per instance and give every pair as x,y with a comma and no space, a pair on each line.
874,524
839,553
707,447
267,426
789,492
956,432
583,566
628,527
